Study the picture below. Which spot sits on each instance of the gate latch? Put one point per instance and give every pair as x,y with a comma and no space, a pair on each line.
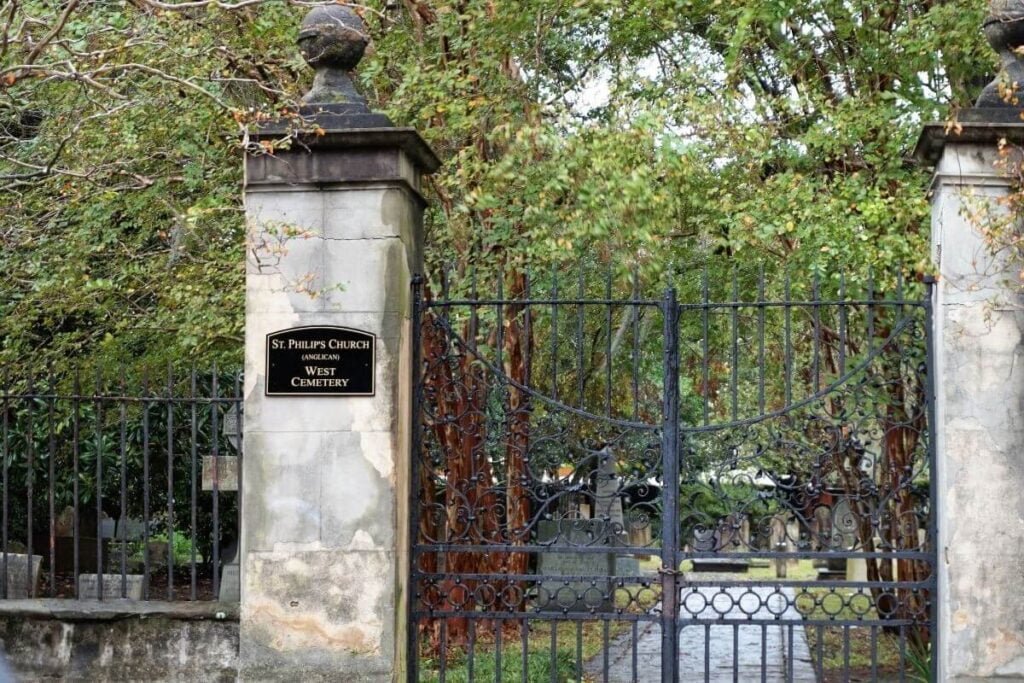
666,571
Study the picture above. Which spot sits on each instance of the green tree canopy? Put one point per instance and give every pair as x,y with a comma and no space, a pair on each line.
664,134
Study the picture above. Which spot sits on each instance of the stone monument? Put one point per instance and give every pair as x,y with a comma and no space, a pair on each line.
22,576
979,360
334,208
564,594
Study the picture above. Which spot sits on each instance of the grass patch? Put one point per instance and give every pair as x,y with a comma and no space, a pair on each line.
576,643
829,642
538,668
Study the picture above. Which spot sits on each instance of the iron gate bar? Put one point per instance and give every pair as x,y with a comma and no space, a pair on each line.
931,292
415,448
670,492
785,302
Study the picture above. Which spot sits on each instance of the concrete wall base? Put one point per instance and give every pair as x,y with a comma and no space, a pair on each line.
105,641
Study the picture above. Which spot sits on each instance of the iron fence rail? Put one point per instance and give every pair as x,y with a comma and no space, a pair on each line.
102,476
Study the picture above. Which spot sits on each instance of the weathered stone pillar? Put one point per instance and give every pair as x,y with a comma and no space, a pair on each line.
335,223
979,364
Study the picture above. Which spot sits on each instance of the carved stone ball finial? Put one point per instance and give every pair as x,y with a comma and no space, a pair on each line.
1004,29
333,39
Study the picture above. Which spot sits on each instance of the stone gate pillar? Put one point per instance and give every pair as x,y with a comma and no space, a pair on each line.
979,365
335,221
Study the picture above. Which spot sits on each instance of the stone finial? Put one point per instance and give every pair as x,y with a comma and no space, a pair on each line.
1004,29
332,40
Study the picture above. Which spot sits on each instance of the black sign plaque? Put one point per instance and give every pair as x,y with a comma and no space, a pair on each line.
320,361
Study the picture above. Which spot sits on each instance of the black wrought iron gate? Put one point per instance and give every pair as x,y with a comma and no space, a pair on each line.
734,485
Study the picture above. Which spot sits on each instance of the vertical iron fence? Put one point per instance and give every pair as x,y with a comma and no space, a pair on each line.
116,486
589,456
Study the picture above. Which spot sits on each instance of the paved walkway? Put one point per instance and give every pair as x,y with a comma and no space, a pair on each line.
734,653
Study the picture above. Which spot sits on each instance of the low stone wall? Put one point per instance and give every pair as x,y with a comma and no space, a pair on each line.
107,641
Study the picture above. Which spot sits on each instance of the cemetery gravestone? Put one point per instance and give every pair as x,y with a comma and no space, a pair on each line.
608,501
224,470
23,575
114,588
627,565
568,595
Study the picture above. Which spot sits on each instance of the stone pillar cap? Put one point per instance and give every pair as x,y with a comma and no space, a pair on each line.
332,130
984,126
333,115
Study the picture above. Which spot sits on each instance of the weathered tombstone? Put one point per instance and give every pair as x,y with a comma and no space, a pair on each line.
230,584
564,594
23,575
778,542
722,563
627,565
129,529
608,506
793,538
64,525
127,532
114,588
64,544
821,528
639,534
777,532
856,569
732,534
638,529
108,527
721,538
608,501
223,469
781,566
831,569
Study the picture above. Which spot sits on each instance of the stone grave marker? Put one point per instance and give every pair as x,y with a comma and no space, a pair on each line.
627,565
793,539
130,529
785,530
22,575
226,475
574,596
607,500
230,578
88,587
222,467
